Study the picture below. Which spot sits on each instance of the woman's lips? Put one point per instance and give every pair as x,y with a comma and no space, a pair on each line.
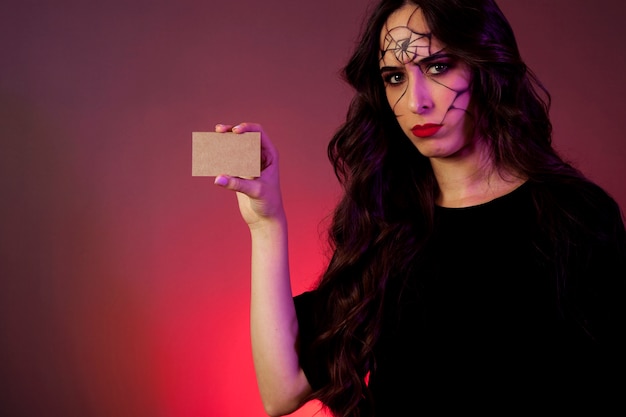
424,131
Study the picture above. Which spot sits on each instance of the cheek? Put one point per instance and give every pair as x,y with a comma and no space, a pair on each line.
452,95
463,100
394,98
457,82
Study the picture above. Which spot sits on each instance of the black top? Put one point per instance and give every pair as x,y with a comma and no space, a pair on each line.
479,322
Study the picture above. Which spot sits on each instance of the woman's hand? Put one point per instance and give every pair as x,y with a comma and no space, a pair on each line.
259,198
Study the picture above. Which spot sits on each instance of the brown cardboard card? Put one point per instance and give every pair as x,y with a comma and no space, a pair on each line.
236,154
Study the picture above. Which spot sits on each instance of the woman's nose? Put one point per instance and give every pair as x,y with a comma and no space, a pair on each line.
420,100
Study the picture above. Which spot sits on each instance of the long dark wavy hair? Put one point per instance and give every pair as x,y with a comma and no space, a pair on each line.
387,210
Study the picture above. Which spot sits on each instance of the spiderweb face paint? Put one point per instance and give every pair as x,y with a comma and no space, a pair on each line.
406,45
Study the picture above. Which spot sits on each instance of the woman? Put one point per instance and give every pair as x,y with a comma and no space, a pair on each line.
472,266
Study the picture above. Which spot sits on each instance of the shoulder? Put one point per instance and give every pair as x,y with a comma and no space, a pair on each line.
577,196
578,213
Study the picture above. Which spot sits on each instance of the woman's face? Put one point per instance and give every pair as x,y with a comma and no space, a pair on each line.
427,89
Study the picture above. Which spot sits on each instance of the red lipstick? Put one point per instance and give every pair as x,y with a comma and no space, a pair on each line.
424,131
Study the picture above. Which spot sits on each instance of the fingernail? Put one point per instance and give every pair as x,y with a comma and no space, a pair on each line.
221,180
236,128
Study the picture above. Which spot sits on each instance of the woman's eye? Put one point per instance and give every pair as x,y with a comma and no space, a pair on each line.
394,78
437,68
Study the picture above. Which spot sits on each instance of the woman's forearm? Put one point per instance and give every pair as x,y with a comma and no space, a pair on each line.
273,323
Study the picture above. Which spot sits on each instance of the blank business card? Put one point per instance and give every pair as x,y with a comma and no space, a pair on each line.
236,154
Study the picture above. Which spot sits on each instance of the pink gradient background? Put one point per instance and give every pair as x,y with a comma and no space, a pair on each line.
124,280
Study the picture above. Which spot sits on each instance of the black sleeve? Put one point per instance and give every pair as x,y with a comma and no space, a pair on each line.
602,296
308,317
605,281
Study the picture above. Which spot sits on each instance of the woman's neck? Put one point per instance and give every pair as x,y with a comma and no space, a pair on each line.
472,180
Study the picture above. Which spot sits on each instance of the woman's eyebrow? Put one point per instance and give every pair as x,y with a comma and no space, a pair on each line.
388,69
434,57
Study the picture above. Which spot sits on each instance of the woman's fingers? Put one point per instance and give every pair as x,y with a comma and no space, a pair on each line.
269,153
242,185
239,128
247,127
221,128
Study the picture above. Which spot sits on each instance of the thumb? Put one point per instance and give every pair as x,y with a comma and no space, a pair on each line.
233,183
